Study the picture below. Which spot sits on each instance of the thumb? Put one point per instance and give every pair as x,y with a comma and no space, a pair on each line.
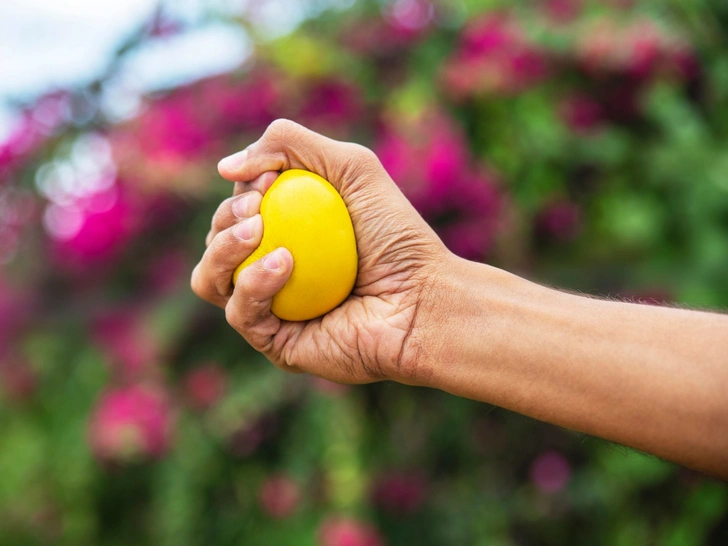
249,308
287,145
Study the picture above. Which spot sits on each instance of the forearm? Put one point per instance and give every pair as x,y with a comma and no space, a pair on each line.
652,378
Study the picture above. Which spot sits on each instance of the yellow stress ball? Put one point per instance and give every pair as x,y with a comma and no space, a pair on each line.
305,214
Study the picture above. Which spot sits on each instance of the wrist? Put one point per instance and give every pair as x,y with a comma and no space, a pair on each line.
470,323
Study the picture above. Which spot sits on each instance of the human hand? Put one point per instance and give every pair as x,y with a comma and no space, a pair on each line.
648,377
378,332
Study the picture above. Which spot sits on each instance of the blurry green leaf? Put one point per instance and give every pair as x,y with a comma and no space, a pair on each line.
634,221
301,54
628,469
23,452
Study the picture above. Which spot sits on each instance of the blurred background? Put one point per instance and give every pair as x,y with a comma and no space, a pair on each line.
581,144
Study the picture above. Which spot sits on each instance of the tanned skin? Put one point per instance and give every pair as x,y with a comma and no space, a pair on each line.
652,378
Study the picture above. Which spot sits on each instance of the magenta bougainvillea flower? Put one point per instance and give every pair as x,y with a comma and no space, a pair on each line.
279,496
347,531
94,229
128,343
559,221
638,49
581,113
495,57
332,105
131,423
431,163
399,493
205,385
550,472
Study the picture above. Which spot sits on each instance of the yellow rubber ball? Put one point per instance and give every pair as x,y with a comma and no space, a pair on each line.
305,214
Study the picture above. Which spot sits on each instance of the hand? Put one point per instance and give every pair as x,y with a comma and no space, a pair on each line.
648,377
377,333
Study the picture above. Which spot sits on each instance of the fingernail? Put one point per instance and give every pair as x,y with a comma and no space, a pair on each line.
249,229
245,205
233,162
273,262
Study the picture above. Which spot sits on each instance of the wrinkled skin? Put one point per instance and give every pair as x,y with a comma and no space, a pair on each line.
648,377
377,333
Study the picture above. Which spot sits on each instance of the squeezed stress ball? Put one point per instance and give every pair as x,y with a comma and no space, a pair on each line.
305,214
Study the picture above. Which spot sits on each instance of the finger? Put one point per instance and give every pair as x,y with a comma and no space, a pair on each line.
245,203
249,307
212,278
239,188
232,210
260,184
286,145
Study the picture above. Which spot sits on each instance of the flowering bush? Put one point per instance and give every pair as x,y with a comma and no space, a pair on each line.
577,143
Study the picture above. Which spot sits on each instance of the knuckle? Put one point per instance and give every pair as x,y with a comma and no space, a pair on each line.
223,282
282,128
222,217
214,273
246,285
232,316
362,153
197,284
226,248
244,314
361,162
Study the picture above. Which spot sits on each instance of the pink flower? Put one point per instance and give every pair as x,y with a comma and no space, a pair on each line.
92,231
332,104
446,161
581,113
431,164
279,496
205,385
168,272
131,423
684,62
51,110
560,221
469,238
127,341
425,160
399,492
404,162
472,213
346,531
22,141
550,472
494,57
640,50
645,47
171,127
608,46
410,15
177,134
562,11
383,40
235,105
489,35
